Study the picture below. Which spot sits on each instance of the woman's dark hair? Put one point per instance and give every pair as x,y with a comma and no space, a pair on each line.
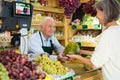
111,9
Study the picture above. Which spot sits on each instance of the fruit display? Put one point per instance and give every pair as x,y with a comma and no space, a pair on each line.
48,77
72,48
51,67
3,73
70,6
88,7
19,67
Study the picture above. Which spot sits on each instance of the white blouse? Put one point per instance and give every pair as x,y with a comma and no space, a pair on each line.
107,53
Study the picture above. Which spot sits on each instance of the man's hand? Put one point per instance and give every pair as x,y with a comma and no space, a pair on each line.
63,58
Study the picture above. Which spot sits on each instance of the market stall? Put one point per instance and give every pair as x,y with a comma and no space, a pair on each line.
17,64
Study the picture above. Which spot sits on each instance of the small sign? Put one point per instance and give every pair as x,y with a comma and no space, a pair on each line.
74,27
84,27
68,78
97,26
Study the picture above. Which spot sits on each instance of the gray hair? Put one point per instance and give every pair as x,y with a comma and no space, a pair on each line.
111,9
42,22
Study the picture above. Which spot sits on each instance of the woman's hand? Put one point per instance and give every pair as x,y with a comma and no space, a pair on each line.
62,57
72,57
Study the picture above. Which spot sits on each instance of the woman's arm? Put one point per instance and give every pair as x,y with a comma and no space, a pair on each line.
83,60
86,52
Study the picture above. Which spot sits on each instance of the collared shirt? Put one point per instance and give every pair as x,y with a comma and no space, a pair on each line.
107,53
35,44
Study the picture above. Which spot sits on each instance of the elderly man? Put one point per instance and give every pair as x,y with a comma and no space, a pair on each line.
44,41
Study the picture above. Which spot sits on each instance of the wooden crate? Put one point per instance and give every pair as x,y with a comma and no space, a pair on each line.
93,75
53,3
83,74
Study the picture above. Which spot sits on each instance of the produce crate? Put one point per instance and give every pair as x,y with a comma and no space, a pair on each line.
53,3
92,75
81,73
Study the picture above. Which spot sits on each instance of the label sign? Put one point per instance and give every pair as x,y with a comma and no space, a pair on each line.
68,78
84,27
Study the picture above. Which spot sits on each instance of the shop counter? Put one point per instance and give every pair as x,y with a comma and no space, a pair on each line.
81,73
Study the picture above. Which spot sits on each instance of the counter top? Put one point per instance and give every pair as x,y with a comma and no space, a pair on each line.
81,73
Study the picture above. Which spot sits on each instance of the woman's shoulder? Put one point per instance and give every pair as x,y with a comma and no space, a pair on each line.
111,31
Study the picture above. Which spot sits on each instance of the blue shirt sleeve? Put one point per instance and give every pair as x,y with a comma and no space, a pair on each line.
57,46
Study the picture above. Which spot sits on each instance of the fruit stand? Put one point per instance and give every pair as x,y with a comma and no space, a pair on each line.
42,68
81,73
17,66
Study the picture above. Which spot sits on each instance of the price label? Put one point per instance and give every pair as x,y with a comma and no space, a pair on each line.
68,78
84,27
74,27
97,26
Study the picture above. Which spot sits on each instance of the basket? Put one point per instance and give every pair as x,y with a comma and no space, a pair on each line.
5,38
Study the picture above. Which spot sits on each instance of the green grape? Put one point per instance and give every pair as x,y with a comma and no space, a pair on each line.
50,66
3,73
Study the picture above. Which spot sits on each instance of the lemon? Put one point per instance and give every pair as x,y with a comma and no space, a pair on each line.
17,51
48,78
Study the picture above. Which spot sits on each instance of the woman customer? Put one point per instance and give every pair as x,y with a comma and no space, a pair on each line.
107,52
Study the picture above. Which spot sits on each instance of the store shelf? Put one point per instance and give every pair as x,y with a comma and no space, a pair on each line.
83,1
34,24
48,9
58,24
88,44
86,27
60,37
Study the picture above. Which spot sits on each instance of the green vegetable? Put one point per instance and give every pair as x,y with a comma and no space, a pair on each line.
72,48
86,66
88,57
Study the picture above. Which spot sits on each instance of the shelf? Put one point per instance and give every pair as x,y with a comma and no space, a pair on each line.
60,37
48,9
34,24
86,27
83,1
88,44
58,24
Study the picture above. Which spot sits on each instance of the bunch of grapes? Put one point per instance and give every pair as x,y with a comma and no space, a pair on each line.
88,8
50,66
3,73
19,67
70,6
